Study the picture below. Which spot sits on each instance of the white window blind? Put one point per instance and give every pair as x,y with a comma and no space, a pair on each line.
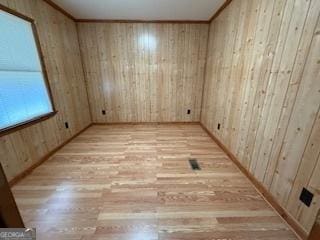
23,92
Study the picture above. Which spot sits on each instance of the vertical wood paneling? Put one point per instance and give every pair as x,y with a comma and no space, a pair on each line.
261,84
265,93
144,72
59,44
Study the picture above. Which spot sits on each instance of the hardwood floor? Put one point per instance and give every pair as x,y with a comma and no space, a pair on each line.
134,182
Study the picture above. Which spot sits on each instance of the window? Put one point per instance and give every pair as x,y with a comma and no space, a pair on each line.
24,93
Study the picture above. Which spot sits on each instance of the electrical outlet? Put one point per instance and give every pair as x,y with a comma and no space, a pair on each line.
306,197
189,111
194,164
103,112
66,124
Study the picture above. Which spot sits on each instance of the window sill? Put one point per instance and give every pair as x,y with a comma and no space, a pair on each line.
26,124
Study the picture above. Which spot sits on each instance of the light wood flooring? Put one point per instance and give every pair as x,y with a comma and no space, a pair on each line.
134,182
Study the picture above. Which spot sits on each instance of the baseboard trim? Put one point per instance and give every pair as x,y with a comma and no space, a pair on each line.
144,123
315,232
26,172
292,223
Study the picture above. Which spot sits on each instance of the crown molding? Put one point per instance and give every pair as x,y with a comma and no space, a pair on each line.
67,14
140,21
60,9
214,16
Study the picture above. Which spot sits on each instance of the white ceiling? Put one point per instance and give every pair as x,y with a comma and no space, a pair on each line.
141,9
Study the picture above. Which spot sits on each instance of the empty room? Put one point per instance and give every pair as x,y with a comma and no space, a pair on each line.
160,119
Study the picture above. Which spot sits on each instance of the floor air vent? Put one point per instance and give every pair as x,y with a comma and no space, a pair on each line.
194,164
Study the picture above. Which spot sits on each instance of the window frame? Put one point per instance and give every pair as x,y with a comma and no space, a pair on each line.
43,117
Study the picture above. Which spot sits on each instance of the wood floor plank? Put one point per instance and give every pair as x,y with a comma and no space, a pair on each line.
134,182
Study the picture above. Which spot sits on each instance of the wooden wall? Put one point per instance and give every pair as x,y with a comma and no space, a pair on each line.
263,86
59,43
144,72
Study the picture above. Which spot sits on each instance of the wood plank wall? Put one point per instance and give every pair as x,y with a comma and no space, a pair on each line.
59,43
263,86
144,72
